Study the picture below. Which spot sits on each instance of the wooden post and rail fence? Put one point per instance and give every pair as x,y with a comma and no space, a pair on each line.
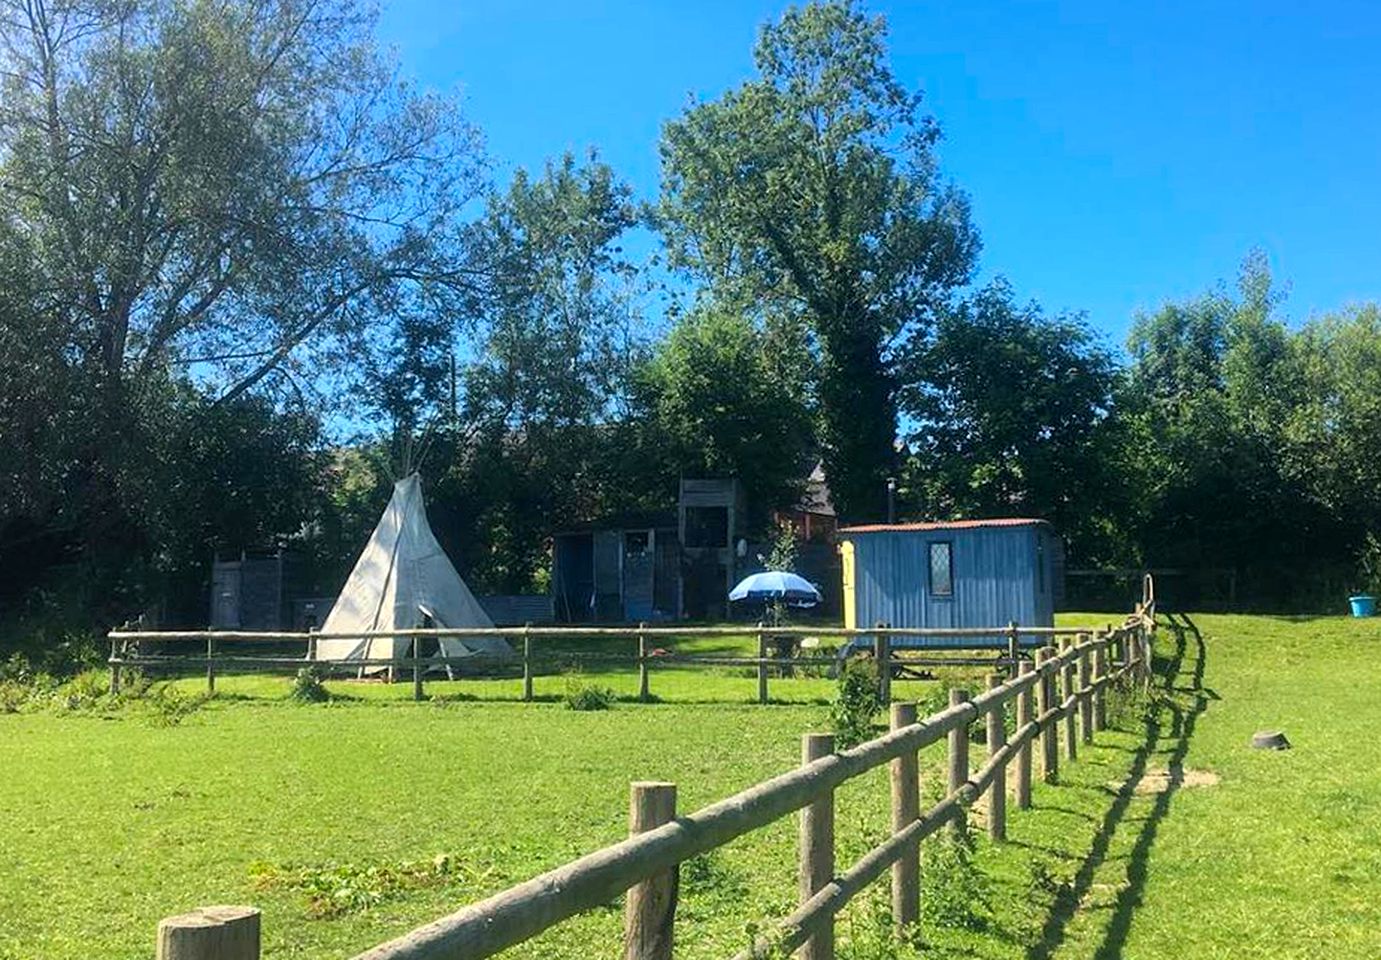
1061,696
1003,646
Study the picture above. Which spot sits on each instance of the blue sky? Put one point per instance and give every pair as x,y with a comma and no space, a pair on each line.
1118,155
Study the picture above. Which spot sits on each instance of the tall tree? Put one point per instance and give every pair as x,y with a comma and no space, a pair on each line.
813,189
560,330
1213,384
206,205
230,184
722,401
1008,409
555,341
1333,435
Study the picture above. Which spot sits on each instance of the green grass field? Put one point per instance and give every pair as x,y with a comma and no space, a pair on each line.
331,817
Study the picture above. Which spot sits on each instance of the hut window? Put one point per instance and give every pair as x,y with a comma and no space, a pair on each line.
707,526
635,543
941,570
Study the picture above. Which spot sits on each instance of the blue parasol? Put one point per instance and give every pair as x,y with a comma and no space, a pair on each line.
776,585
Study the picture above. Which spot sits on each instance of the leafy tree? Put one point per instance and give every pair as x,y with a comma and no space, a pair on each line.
1212,386
812,190
1333,436
207,206
720,403
1008,410
225,477
536,440
238,185
559,329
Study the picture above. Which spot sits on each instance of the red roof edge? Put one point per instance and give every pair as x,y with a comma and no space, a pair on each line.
944,525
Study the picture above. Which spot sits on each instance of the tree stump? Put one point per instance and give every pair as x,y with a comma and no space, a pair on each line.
210,933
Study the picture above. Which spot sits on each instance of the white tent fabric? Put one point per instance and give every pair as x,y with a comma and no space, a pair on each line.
402,579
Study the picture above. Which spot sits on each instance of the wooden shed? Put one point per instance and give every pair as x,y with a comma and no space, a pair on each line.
967,573
618,569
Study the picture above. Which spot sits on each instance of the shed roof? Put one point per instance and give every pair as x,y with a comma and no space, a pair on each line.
635,520
945,525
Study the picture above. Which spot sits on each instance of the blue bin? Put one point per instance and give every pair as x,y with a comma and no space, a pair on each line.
1363,605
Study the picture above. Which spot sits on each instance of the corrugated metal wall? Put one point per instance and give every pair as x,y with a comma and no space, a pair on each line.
995,578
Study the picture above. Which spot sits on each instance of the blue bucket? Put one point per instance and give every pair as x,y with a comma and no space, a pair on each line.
1363,605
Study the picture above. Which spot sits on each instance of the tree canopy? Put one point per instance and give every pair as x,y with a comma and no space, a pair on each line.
1008,415
812,190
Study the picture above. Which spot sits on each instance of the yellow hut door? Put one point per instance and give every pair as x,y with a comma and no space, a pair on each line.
846,556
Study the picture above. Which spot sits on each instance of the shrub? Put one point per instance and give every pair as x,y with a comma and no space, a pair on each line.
307,686
855,703
583,695
16,669
956,891
86,690
168,706
334,890
13,695
134,684
1128,706
868,932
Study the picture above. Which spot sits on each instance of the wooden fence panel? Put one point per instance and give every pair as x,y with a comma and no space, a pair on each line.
645,864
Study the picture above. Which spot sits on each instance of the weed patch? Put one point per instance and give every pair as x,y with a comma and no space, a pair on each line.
168,706
957,895
307,686
855,704
582,694
336,890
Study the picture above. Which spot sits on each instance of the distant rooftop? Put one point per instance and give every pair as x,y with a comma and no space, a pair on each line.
815,498
944,525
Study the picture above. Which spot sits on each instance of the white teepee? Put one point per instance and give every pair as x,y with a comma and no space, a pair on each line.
402,580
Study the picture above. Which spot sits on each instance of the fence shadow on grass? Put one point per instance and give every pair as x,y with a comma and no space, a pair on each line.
1165,711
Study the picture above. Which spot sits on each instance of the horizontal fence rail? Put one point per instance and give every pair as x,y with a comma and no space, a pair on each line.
540,632
1005,644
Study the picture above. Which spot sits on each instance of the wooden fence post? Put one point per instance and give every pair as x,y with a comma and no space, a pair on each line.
1071,718
882,655
527,661
210,665
1025,714
1085,692
817,848
958,762
114,667
649,914
210,933
417,667
1013,647
1143,659
1100,695
1045,702
762,664
906,808
644,694
997,793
